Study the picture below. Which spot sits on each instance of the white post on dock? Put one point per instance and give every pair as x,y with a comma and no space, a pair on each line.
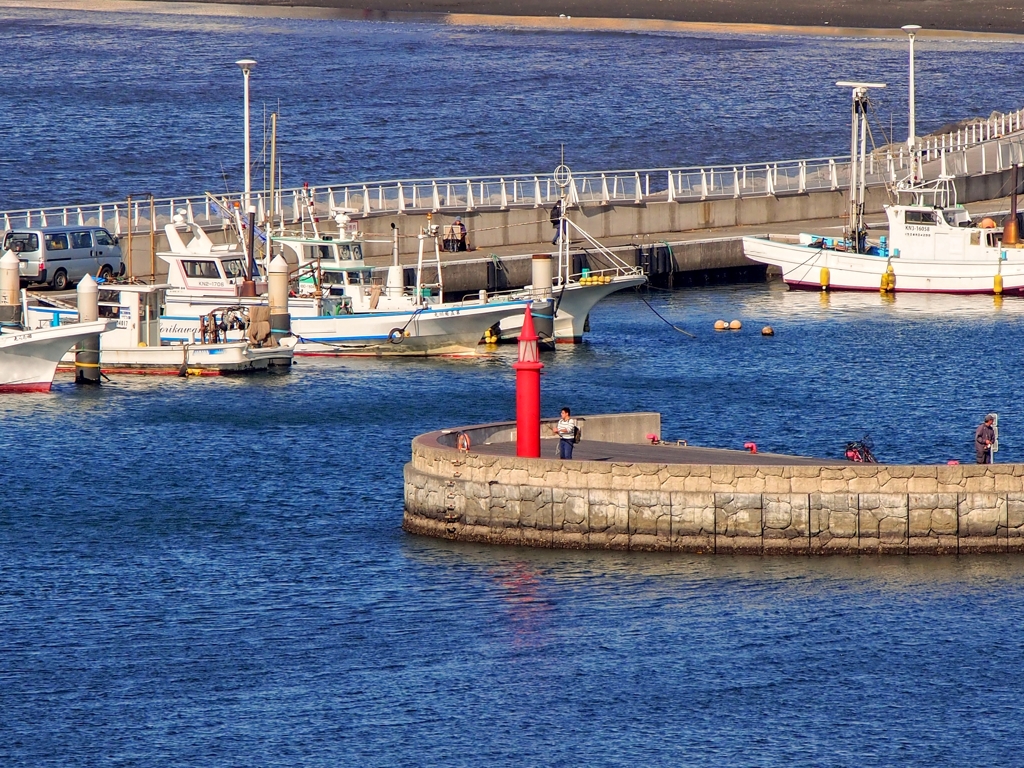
87,356
277,296
10,285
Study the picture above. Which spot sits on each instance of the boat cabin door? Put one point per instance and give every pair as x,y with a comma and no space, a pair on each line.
149,319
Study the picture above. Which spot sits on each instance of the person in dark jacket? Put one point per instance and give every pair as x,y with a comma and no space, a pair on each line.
984,438
557,223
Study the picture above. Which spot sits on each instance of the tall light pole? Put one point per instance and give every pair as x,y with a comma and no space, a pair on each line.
912,30
246,65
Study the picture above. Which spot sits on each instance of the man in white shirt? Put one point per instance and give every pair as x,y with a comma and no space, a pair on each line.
566,431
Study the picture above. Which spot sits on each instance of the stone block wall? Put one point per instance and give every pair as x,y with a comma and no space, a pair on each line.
882,509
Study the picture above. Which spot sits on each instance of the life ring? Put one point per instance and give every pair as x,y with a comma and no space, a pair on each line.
463,442
396,336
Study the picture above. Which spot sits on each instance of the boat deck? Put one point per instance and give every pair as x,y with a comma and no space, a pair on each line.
592,450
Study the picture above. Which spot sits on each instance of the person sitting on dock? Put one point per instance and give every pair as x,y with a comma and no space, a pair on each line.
455,236
566,431
984,438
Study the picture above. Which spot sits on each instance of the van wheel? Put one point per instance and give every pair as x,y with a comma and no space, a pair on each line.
60,280
106,272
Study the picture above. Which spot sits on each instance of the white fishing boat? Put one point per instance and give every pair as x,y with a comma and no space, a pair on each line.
933,244
29,358
326,320
574,294
133,344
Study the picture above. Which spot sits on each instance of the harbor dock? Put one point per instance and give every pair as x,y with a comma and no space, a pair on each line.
683,225
624,491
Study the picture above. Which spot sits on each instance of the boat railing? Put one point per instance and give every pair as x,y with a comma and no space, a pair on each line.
953,153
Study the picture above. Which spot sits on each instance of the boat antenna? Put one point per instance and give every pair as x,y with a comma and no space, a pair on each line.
858,129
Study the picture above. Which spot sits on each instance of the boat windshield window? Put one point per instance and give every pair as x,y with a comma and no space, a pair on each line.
350,252
920,217
334,278
355,278
201,268
29,241
234,268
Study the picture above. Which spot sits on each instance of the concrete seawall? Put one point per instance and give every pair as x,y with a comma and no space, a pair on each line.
528,229
753,508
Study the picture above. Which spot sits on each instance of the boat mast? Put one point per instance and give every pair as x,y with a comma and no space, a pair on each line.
563,178
858,124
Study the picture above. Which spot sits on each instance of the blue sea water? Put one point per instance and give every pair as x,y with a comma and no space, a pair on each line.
102,105
212,572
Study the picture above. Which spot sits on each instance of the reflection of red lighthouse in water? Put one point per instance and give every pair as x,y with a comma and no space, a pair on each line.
528,391
527,606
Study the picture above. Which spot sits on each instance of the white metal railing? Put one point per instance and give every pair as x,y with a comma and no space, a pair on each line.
978,148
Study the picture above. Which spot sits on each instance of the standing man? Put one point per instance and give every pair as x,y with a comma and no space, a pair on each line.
566,431
984,438
557,223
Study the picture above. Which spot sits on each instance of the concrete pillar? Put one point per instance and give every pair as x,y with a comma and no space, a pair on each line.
87,356
277,292
542,275
10,284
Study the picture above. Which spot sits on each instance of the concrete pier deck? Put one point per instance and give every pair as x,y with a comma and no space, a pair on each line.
648,453
620,492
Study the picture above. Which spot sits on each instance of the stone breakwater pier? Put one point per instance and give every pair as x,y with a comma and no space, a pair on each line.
625,493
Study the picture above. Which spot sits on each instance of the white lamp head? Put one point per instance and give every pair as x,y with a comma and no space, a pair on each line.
246,65
911,29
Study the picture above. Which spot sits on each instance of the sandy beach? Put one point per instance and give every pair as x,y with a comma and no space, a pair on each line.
876,18
1002,16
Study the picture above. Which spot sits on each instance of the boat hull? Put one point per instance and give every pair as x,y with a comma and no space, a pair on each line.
443,330
28,360
573,306
802,266
224,359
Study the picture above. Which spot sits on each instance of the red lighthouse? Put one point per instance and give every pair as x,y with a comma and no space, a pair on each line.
528,391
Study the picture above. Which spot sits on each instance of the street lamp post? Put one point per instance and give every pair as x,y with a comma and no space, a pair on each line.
912,30
247,65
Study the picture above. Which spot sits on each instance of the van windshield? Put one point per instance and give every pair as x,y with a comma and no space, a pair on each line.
29,241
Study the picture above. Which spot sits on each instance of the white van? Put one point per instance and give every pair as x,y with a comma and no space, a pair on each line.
61,256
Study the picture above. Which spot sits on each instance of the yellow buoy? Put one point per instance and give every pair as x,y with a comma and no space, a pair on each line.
721,325
824,279
735,325
892,279
997,285
767,331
